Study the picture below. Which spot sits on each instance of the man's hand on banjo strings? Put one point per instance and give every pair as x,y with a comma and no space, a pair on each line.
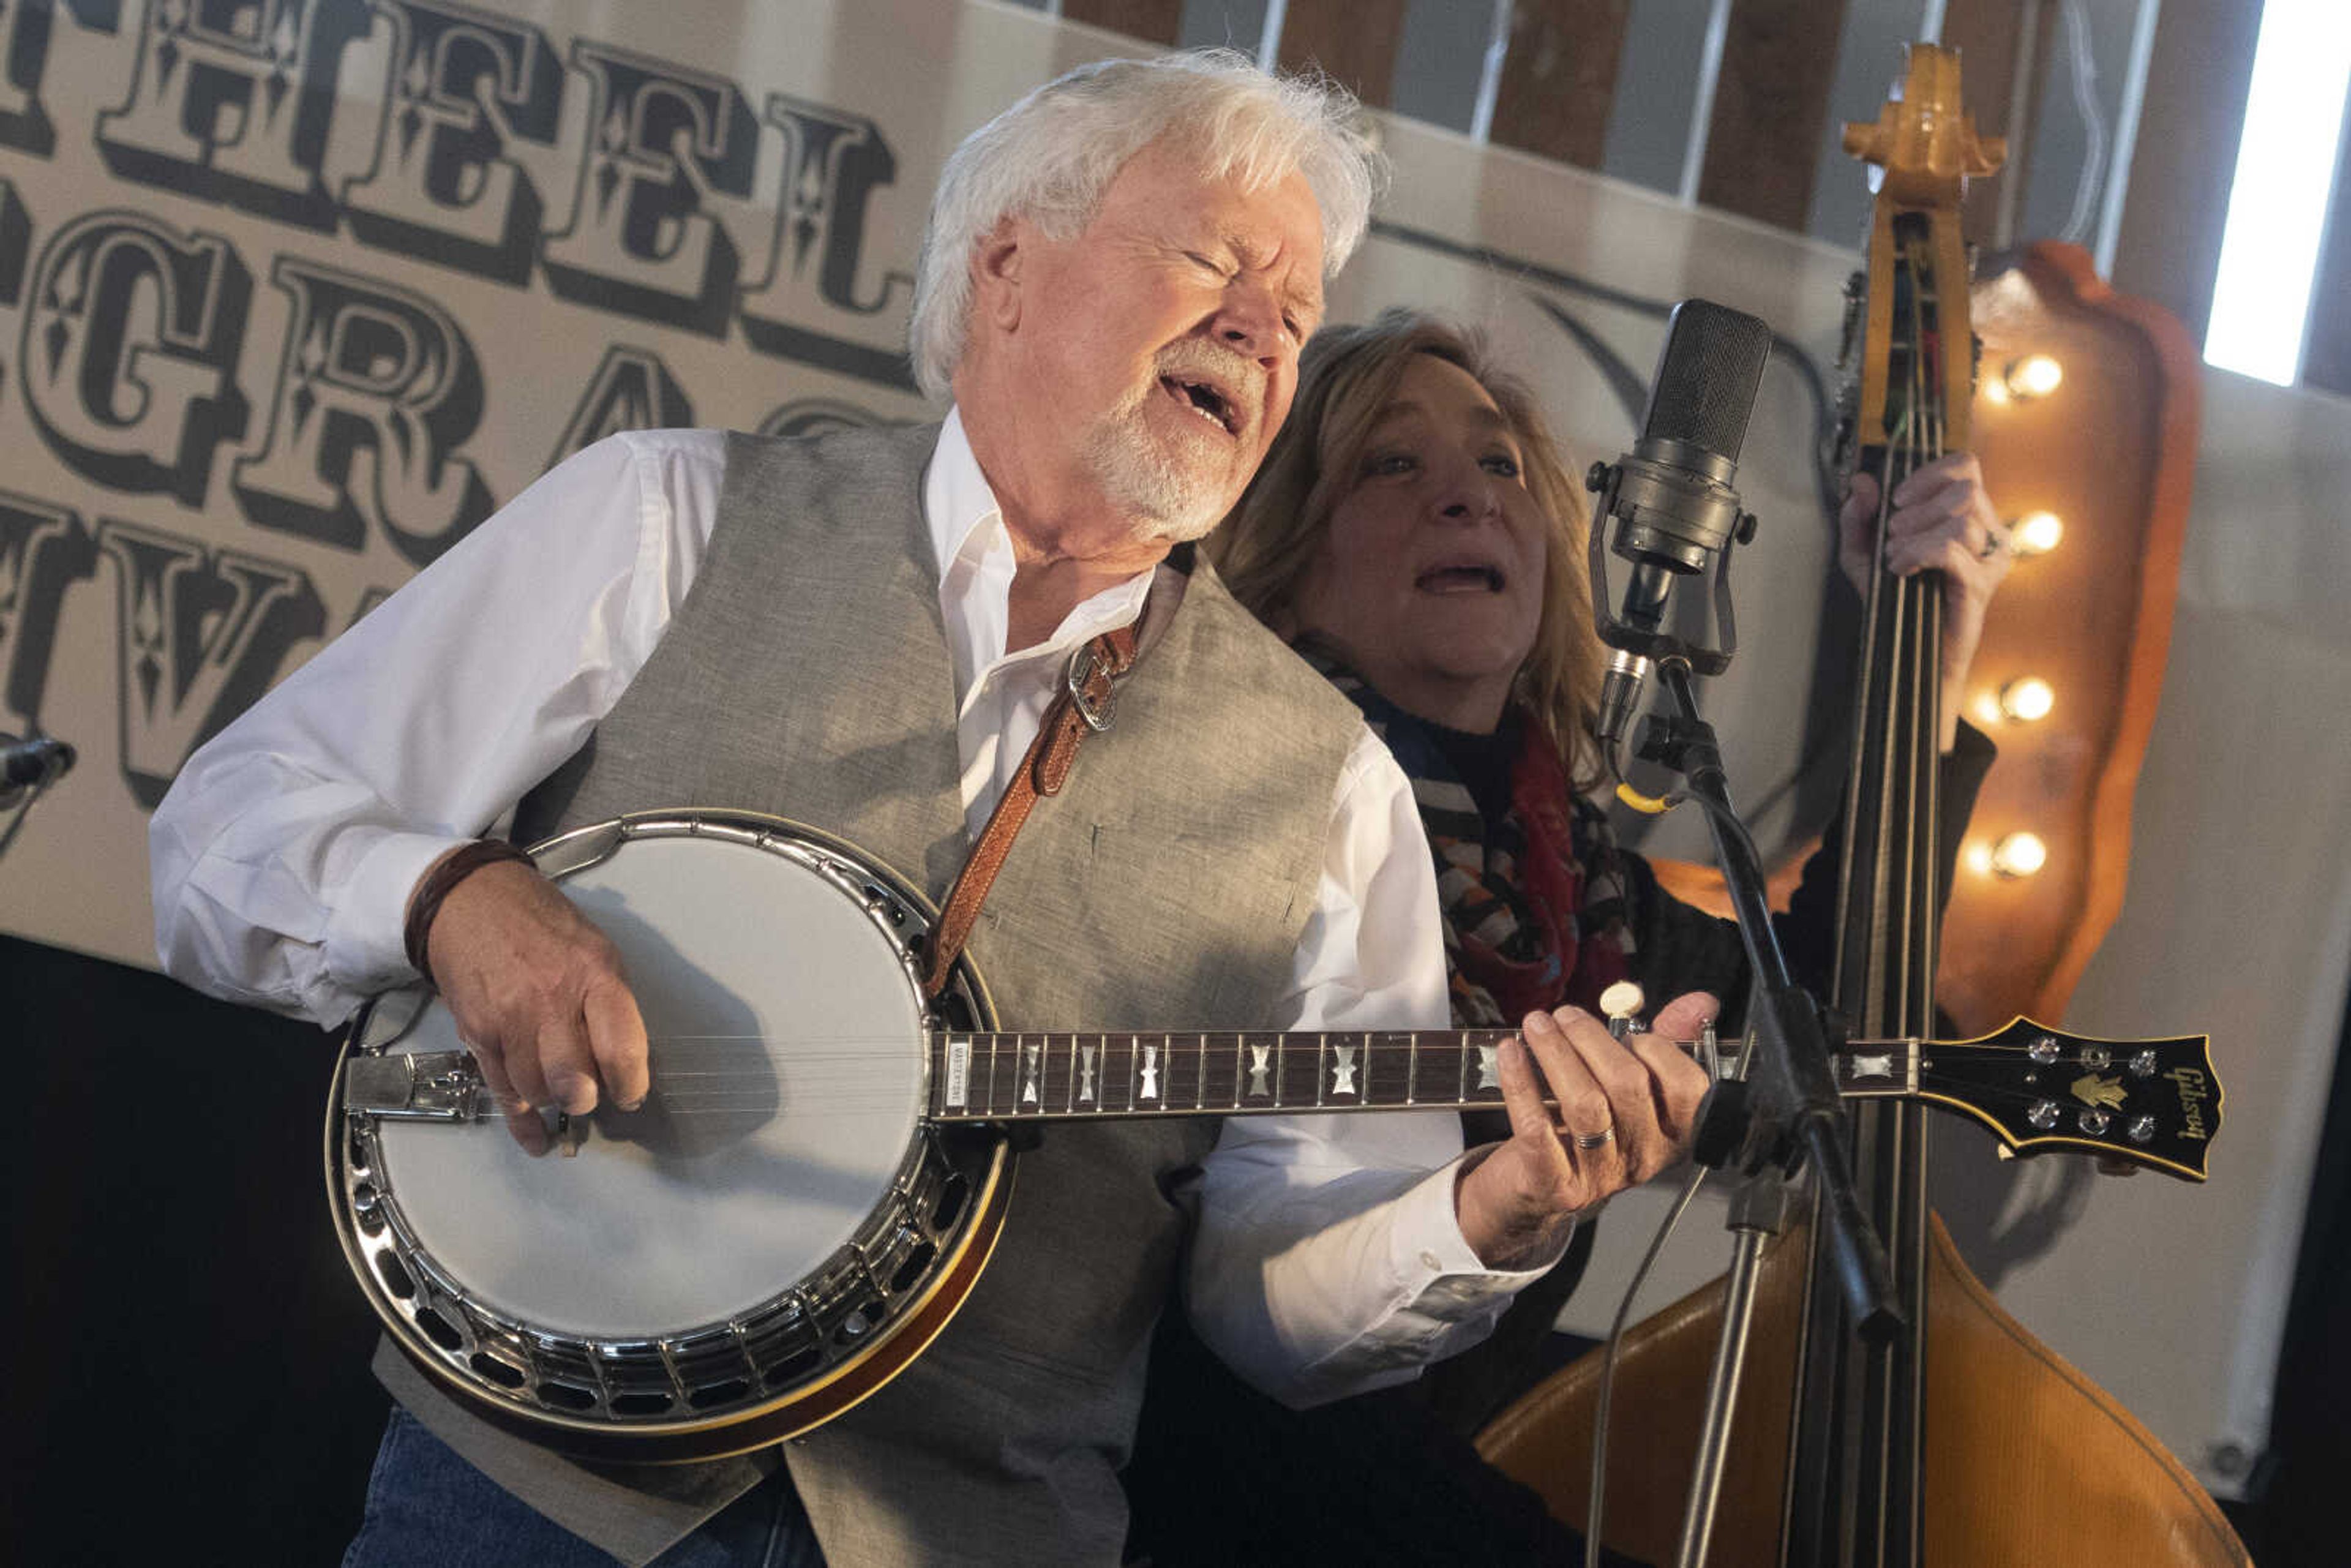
537,995
1619,1114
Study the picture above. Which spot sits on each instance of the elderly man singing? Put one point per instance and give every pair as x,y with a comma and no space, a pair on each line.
861,632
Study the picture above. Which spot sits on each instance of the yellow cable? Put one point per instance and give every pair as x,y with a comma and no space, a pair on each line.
1647,805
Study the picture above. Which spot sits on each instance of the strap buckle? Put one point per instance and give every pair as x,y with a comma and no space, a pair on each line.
1081,669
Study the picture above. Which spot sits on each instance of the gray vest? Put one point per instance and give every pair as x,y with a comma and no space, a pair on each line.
807,675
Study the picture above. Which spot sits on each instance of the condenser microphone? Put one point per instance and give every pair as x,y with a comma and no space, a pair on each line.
1668,505
31,765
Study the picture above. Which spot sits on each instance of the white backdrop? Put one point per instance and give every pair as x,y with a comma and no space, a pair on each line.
285,309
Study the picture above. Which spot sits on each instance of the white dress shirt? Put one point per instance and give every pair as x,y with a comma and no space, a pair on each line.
1328,1258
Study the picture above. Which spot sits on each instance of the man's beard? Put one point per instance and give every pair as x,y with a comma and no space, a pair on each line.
1171,499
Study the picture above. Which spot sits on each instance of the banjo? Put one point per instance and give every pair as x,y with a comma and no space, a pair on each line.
823,1165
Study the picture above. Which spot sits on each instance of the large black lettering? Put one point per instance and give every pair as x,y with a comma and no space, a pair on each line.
25,122
368,599
15,243
42,549
467,87
201,634
233,100
130,348
632,390
369,369
669,148
810,306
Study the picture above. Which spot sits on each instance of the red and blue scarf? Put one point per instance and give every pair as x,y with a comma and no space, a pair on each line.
1533,903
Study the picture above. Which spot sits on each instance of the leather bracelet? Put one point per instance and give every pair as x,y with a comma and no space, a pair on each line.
447,872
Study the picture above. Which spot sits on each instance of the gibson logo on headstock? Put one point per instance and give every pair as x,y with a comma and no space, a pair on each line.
2194,1090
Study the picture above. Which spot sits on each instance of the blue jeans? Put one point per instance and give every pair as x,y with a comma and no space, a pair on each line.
427,1508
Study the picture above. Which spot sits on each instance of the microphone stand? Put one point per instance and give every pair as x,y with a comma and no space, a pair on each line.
1787,1107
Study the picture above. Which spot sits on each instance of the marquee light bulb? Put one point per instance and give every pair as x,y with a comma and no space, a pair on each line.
2036,533
2027,698
2034,375
2018,855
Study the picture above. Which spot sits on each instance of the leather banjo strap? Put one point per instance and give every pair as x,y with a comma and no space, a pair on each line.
1084,704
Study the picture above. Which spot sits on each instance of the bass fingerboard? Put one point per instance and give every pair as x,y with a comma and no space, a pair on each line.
995,1077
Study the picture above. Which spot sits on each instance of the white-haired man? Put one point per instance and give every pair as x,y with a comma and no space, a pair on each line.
861,632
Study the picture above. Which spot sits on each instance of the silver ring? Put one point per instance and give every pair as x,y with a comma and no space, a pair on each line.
1599,1140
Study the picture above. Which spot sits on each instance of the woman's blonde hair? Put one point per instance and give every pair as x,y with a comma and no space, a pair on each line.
1346,377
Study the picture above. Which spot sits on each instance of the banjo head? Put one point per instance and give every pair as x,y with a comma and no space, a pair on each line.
729,1262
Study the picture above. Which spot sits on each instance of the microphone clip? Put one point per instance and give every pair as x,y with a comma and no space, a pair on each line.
1669,519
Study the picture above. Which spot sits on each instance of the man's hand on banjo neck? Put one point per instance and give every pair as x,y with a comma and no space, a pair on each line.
1620,1112
536,992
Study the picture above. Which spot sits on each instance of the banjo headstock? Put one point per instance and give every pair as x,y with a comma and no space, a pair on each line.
2154,1103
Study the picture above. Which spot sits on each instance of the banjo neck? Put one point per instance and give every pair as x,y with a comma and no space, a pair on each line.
2151,1102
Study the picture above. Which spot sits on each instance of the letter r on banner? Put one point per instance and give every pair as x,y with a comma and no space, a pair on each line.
369,368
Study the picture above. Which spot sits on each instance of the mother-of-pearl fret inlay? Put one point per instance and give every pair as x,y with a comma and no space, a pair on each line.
1343,1076
1086,1083
1028,1079
1258,1088
1151,1073
1487,1075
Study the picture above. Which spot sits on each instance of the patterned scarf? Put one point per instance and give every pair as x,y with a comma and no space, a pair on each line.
1534,903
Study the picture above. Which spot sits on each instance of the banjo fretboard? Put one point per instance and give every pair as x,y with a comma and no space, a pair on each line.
993,1077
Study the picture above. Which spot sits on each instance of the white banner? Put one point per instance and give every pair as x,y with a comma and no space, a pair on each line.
303,289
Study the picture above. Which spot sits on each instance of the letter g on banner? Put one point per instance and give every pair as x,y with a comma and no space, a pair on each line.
130,343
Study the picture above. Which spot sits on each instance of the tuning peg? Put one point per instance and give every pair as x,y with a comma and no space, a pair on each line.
1622,1002
2108,1165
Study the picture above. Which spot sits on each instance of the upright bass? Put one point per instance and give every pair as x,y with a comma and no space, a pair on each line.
1963,1442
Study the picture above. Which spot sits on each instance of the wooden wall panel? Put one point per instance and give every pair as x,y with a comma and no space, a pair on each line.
2198,80
1155,21
2326,361
1354,41
1559,78
1769,106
